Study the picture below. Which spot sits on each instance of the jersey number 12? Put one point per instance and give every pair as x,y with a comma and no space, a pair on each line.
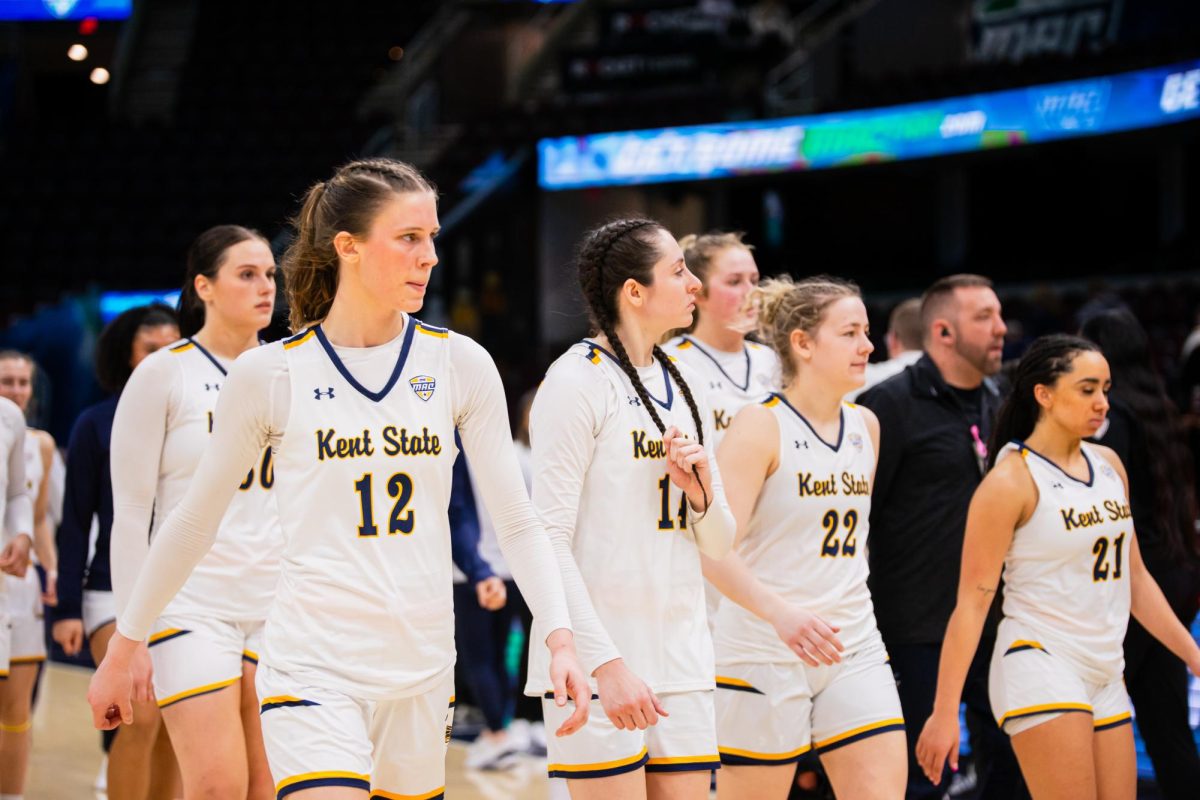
401,520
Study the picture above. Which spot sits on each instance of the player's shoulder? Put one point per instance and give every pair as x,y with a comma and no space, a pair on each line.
163,364
678,344
580,365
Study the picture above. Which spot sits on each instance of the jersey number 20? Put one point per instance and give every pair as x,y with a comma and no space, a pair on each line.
399,487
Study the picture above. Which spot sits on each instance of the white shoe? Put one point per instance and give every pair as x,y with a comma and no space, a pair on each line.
537,738
520,736
101,782
491,753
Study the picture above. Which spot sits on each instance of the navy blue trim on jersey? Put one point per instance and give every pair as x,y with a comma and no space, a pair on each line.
684,766
841,423
208,355
744,385
1091,470
666,375
550,696
364,391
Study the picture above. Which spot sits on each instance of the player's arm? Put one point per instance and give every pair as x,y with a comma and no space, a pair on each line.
693,468
243,423
43,534
749,454
1002,503
1147,603
17,533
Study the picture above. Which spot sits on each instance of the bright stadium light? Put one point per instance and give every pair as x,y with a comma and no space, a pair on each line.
100,75
77,52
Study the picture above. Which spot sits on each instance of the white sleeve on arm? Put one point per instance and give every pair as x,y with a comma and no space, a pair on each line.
563,424
135,452
482,419
715,530
253,396
18,508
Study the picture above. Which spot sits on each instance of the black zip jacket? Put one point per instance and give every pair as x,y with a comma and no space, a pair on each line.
928,470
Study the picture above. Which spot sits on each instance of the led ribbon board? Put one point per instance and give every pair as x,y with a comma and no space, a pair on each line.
1142,99
64,9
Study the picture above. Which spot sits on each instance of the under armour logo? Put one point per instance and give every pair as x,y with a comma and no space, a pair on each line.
1057,485
800,444
318,394
212,387
634,401
714,384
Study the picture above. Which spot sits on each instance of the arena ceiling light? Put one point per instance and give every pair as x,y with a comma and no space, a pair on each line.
77,52
100,76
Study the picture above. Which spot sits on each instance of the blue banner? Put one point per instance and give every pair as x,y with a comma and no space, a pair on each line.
64,9
1127,101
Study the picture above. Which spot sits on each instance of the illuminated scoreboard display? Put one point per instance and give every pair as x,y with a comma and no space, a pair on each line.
1108,104
64,9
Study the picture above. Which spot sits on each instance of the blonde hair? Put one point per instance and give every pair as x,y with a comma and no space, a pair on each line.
785,305
699,252
346,202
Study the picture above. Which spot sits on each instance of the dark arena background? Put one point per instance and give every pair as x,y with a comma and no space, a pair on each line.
1051,145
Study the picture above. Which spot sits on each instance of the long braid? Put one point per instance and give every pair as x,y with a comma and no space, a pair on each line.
592,273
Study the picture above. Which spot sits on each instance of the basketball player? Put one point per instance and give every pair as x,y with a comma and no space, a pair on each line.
16,514
205,646
28,646
799,469
359,408
623,481
733,371
1054,514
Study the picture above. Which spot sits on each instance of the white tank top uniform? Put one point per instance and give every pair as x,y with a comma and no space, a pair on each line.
1060,645
214,624
728,382
600,479
28,643
806,541
356,680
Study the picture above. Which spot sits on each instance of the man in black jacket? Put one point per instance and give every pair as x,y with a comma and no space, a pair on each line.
935,418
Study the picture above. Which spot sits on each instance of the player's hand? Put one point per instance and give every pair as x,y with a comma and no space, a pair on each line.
50,593
939,741
811,638
141,672
109,692
684,454
14,558
491,593
568,680
69,635
626,698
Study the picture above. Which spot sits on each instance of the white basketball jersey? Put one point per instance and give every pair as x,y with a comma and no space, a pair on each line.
807,537
1066,574
35,470
632,542
12,436
236,579
727,381
365,604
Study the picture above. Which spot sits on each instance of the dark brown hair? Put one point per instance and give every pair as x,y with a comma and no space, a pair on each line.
114,347
205,257
346,202
935,298
610,255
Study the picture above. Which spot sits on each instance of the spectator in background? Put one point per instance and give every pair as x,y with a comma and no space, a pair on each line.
934,418
903,339
141,763
484,620
1144,430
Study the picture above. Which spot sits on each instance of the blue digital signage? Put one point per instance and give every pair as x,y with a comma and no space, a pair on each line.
1108,104
64,9
114,303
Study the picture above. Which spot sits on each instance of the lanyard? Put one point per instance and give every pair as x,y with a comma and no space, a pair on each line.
981,451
